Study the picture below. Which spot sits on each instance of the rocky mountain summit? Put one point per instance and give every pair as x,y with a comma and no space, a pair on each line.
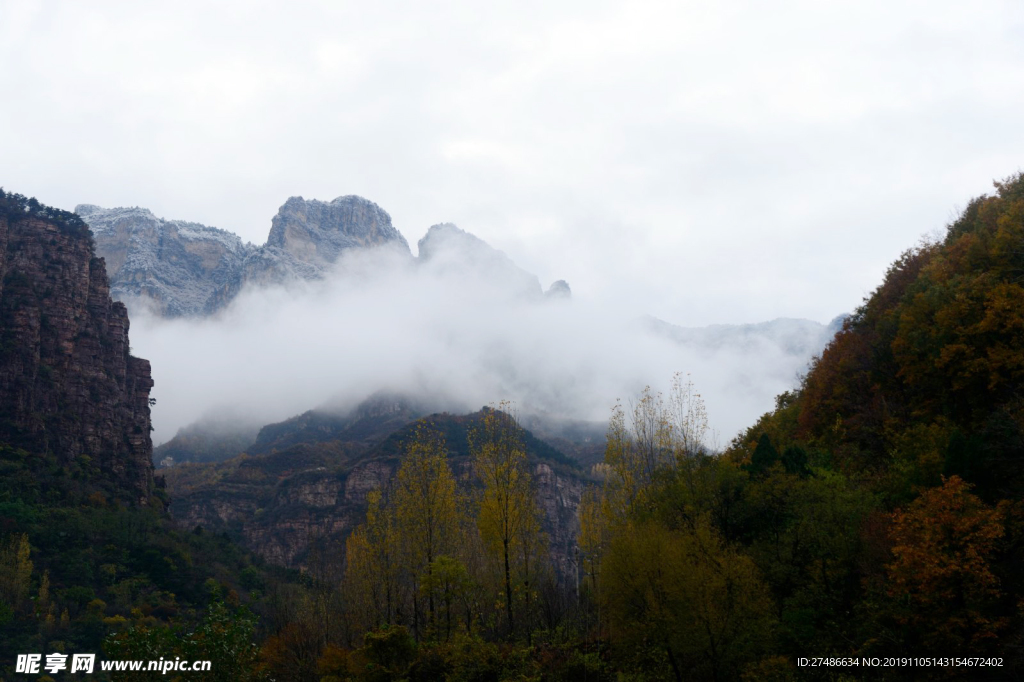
179,268
69,386
317,232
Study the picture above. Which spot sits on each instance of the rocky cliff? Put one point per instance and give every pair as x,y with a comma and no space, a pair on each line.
69,386
180,268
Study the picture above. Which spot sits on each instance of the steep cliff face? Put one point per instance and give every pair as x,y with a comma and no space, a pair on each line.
278,517
69,385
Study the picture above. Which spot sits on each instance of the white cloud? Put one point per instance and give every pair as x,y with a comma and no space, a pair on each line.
459,335
755,159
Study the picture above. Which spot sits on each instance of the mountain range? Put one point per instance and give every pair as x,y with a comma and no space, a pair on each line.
177,268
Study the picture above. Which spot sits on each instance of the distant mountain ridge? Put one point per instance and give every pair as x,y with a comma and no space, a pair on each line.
795,337
178,268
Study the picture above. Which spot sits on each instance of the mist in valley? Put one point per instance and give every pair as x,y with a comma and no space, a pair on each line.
455,331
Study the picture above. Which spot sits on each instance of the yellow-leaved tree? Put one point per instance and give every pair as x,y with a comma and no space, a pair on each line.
372,572
592,539
509,520
655,436
426,509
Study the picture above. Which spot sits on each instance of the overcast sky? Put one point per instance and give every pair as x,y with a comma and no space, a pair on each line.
714,162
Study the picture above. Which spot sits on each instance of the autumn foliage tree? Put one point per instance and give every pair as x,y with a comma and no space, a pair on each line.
945,593
426,509
592,539
15,572
373,567
392,557
508,516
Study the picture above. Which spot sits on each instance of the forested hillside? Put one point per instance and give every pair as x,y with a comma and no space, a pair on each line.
876,512
888,486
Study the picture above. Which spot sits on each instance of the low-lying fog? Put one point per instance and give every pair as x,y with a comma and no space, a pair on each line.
459,335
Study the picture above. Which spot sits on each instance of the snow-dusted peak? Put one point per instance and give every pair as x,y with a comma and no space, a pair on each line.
105,219
443,238
183,268
317,232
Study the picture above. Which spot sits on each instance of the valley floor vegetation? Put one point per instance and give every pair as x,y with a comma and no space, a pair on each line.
875,512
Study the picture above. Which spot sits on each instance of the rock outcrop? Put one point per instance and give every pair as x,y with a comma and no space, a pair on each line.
69,386
183,269
179,268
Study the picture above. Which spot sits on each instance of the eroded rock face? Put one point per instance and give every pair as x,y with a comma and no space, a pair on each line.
278,519
175,267
178,268
317,232
68,382
276,503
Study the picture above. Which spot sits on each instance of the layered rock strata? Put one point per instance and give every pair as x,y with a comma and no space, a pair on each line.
69,386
